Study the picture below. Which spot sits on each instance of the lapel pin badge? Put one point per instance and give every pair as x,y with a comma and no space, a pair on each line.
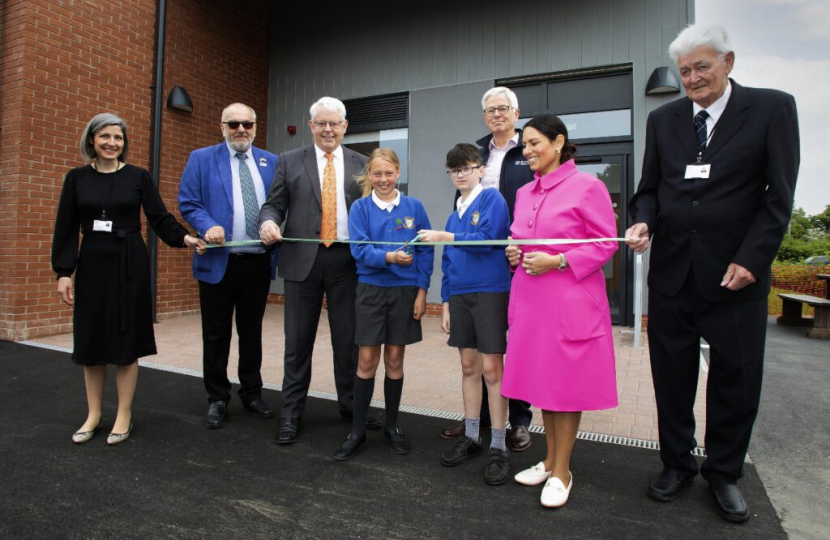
263,162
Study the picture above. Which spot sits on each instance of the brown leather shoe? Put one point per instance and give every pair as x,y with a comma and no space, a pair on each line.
457,430
518,438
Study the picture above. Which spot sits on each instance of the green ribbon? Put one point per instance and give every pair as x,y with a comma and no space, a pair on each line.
527,242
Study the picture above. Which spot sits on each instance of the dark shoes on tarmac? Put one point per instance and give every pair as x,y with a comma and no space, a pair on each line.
728,499
352,444
517,439
464,449
218,410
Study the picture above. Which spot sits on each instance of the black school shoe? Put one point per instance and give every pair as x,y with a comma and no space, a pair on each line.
498,468
397,442
463,449
350,447
729,502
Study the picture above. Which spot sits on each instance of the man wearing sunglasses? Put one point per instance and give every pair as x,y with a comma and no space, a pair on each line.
506,169
221,191
313,189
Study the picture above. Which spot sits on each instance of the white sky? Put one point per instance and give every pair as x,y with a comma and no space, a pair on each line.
785,44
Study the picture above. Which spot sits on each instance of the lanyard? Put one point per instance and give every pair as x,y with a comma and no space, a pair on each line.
101,193
705,144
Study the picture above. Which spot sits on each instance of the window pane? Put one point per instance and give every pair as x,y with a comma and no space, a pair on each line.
594,125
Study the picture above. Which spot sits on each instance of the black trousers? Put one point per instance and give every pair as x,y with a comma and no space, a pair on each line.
519,413
736,333
243,288
334,275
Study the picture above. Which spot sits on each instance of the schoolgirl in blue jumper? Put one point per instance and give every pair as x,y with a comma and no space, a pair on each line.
392,288
475,290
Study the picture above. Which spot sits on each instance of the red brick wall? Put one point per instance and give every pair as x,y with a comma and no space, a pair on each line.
62,62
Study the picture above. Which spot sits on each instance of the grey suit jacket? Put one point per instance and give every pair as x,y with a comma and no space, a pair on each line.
295,199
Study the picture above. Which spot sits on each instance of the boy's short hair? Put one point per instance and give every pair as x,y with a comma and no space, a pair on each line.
463,154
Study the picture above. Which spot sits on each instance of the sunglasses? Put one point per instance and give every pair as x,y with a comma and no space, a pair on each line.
235,125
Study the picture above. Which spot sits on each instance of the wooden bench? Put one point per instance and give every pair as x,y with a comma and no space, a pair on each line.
791,314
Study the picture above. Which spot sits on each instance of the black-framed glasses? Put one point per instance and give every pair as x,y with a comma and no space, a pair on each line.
466,170
502,109
235,125
324,125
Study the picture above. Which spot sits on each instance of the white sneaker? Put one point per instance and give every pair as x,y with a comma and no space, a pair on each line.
533,476
555,494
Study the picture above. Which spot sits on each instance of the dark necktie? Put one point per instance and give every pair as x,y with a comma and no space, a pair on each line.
700,129
246,182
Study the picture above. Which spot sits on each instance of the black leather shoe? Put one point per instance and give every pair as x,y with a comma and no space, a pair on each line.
287,434
350,447
258,408
729,502
518,438
216,414
397,442
457,430
464,449
371,421
498,468
669,484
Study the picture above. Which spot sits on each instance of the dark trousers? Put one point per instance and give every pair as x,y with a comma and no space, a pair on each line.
519,413
333,274
736,333
243,288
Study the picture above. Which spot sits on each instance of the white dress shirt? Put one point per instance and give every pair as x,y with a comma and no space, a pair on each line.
715,111
492,170
461,207
342,212
388,206
239,232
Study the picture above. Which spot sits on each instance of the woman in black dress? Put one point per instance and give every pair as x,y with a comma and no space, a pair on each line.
113,323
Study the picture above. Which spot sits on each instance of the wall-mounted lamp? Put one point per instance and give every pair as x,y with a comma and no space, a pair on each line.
662,81
292,130
178,99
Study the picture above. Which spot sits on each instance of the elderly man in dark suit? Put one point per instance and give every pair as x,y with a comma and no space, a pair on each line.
311,194
221,191
719,174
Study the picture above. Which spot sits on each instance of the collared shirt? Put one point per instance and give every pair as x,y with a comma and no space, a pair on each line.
715,110
239,232
388,206
462,206
492,170
342,212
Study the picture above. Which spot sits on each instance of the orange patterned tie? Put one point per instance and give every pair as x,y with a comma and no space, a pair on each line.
328,230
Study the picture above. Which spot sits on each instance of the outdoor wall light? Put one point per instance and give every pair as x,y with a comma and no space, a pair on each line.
178,99
662,81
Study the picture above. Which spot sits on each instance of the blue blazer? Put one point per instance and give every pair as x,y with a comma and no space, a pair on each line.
206,200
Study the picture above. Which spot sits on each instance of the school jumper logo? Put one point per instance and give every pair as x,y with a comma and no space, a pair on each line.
409,222
474,220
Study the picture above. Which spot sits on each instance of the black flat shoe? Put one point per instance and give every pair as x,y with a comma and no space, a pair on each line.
668,486
217,410
350,447
463,449
258,408
498,468
729,502
397,442
287,434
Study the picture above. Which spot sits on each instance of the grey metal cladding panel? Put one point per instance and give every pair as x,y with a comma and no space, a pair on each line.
573,48
560,36
544,37
605,42
619,31
530,45
636,16
654,27
671,14
588,30
597,94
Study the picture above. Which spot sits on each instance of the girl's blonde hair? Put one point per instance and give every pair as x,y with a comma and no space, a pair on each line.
386,154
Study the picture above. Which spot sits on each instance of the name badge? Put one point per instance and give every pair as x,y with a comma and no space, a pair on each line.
102,226
698,170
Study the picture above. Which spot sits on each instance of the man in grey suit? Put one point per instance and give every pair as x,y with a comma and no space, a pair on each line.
311,194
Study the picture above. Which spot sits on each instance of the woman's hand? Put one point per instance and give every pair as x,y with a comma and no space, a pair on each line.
445,317
513,253
420,306
193,242
537,263
428,235
400,258
65,290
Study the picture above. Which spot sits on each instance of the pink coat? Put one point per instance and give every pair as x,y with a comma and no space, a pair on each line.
560,347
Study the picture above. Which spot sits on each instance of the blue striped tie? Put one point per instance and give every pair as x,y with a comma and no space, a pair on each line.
246,182
700,129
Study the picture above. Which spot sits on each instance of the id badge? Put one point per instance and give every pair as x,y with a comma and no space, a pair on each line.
102,226
698,170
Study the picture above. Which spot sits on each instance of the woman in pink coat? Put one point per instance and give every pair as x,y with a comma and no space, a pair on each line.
560,349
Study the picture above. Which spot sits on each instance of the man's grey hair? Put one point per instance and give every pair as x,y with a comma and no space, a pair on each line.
95,125
696,36
253,112
328,104
500,91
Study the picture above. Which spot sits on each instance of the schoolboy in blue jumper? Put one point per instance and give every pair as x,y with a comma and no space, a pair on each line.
475,290
392,283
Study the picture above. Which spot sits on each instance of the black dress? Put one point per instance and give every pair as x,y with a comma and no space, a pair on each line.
112,317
